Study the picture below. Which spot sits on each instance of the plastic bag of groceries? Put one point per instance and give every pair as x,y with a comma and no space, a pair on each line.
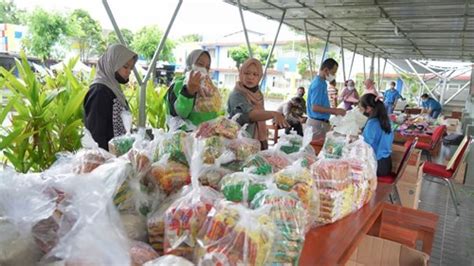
243,147
235,235
122,144
186,215
306,151
277,159
83,161
173,144
336,192
23,203
333,145
258,165
208,99
243,186
350,124
221,126
169,260
297,178
141,253
211,174
168,175
290,220
96,236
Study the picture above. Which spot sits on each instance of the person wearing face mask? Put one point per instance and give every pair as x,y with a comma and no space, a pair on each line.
105,102
378,132
391,97
370,87
349,95
185,92
247,100
318,106
430,106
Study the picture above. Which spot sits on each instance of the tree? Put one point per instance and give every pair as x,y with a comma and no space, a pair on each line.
45,30
146,41
127,36
9,13
190,38
241,53
86,33
303,68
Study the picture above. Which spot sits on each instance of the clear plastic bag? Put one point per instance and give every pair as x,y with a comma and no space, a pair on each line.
290,220
306,154
243,147
331,174
350,124
243,186
122,144
235,235
96,236
214,147
169,260
277,159
333,145
220,126
141,252
211,175
174,144
23,203
290,143
168,175
259,165
297,178
210,101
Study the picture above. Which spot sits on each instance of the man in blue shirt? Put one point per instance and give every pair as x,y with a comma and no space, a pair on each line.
391,97
430,106
318,107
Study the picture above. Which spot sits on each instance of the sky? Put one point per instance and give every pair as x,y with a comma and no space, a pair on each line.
210,18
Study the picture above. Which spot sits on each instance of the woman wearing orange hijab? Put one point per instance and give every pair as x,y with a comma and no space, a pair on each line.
247,100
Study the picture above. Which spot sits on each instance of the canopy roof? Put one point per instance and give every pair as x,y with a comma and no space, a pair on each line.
392,29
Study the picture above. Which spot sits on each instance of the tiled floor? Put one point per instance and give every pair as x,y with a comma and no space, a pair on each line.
454,239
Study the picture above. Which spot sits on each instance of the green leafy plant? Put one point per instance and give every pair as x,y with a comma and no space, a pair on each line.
46,117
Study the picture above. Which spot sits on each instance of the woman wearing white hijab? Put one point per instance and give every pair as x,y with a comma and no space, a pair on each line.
105,101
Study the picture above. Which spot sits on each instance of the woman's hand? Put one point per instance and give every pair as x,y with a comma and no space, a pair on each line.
194,82
279,120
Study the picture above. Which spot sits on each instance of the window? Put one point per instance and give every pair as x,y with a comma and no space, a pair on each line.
18,34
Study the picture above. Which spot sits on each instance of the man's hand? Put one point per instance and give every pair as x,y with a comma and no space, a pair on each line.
340,111
279,120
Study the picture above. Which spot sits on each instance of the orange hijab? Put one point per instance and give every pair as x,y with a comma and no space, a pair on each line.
254,98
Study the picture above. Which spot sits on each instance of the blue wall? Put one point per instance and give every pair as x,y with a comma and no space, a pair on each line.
290,61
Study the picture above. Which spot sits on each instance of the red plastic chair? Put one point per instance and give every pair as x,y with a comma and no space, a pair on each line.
395,177
427,148
440,174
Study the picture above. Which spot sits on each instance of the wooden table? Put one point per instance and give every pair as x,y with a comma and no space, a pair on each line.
333,244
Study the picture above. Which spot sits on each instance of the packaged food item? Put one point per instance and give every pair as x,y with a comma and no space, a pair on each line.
156,224
175,144
211,175
290,143
169,260
243,186
331,174
243,148
335,204
214,148
289,216
277,159
220,126
333,146
259,163
235,235
210,101
169,175
120,145
141,252
297,179
306,154
134,226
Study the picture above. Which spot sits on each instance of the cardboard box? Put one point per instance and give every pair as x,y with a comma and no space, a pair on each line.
376,251
409,193
411,174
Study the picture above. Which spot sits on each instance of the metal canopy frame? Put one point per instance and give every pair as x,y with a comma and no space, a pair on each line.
418,29
159,48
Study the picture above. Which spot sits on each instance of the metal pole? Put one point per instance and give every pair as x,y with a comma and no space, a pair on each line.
383,70
325,49
378,72
307,48
443,91
273,47
245,29
458,92
352,61
161,45
343,61
421,80
363,62
120,36
371,71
